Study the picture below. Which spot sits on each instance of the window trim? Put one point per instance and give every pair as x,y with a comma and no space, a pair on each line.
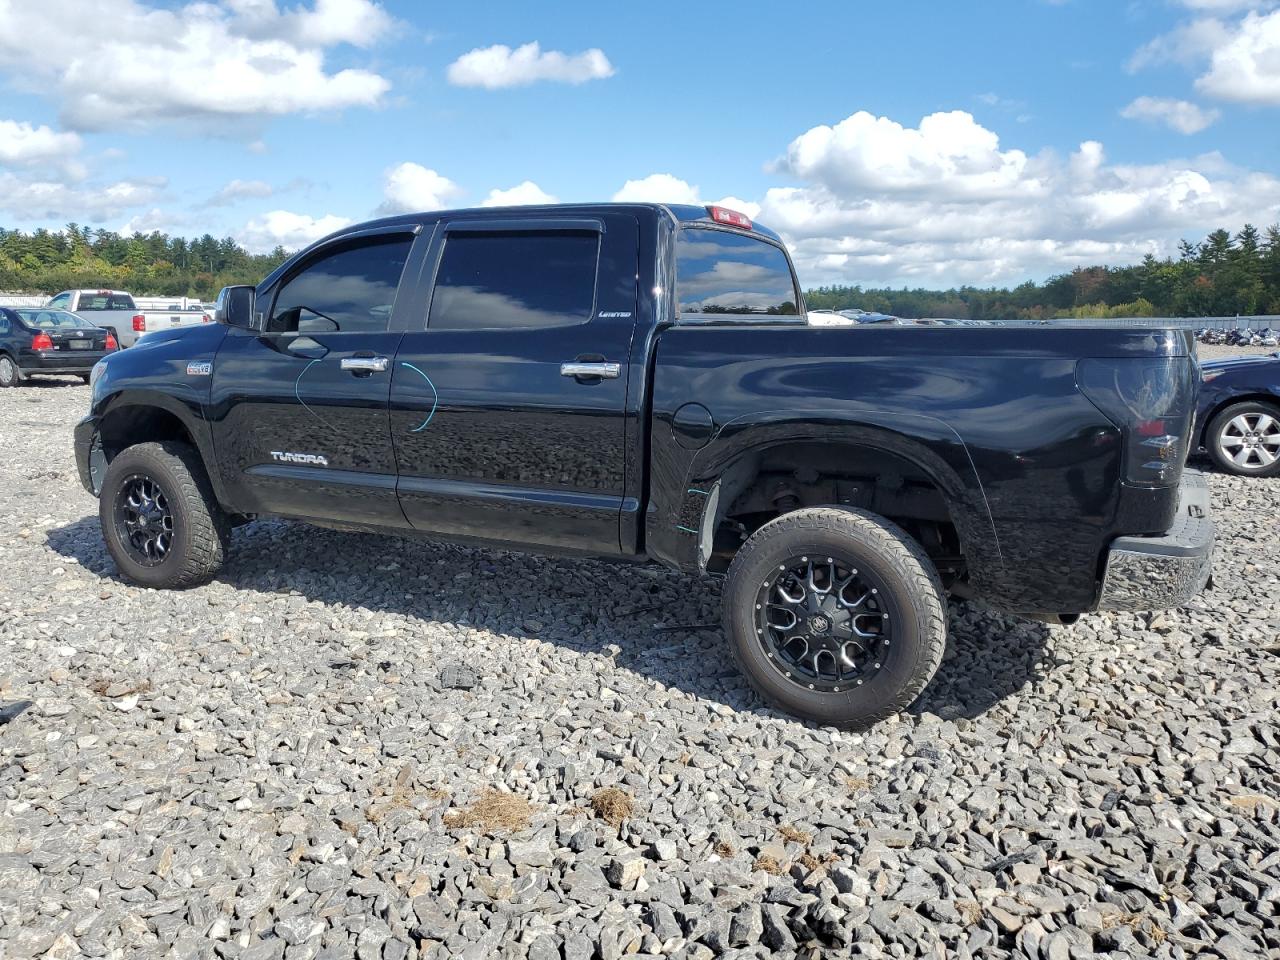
798,317
518,225
331,247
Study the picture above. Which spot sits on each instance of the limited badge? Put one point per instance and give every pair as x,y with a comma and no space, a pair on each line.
200,368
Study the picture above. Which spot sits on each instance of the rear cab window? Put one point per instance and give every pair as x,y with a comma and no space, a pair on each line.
104,301
723,273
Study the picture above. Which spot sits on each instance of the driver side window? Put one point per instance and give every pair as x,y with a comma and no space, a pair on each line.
62,301
350,289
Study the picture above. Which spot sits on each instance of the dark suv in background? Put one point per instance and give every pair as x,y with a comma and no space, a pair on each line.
36,340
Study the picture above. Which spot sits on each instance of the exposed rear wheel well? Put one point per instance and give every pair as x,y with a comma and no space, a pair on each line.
774,481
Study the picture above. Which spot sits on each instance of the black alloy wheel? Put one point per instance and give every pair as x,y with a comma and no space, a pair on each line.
821,623
144,521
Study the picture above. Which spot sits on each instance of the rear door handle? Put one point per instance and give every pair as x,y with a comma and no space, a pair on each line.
587,368
365,364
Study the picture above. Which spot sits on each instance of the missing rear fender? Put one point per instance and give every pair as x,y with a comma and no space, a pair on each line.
912,502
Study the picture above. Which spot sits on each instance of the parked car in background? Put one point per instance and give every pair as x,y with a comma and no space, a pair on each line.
39,340
118,311
1238,414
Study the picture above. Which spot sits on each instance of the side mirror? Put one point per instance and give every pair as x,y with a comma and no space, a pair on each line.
235,306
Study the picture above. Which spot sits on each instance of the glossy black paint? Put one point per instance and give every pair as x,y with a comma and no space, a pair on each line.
475,434
16,336
1234,379
492,442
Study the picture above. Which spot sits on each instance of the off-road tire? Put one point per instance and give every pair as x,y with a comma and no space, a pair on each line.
10,375
912,593
201,536
1213,436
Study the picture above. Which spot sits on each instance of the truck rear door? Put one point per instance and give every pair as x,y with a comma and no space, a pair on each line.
507,403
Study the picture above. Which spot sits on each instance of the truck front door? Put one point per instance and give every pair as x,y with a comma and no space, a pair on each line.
507,403
299,407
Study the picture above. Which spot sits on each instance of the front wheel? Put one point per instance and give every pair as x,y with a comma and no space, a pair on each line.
159,517
836,615
1244,439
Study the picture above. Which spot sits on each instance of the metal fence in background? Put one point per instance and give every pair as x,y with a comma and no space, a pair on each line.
1193,323
21,300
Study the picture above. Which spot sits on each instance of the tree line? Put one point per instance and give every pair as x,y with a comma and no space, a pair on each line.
1224,275
155,264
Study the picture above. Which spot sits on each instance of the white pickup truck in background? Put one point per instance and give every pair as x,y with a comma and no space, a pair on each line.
131,321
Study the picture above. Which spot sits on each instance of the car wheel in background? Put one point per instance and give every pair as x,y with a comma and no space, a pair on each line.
1244,439
159,517
10,376
836,615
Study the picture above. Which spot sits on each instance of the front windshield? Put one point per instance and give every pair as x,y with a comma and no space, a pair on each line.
51,319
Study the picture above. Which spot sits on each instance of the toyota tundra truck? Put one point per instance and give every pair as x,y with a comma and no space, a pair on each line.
638,382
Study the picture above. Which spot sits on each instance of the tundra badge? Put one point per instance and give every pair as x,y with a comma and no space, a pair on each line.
285,456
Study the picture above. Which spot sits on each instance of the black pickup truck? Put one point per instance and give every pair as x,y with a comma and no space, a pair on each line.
638,381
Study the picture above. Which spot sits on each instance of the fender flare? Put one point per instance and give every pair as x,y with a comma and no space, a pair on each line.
927,442
188,412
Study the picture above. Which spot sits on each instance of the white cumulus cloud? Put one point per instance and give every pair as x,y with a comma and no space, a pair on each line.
133,64
1245,67
500,66
1180,115
37,198
657,188
876,202
21,144
522,194
409,187
286,229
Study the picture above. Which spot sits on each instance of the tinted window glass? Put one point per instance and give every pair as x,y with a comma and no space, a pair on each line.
519,279
720,272
349,290
61,301
4,324
104,301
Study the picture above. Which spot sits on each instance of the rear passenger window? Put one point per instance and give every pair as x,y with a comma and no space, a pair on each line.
519,279
718,272
352,289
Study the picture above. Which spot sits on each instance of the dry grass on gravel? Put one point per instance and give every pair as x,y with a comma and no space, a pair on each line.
494,811
612,805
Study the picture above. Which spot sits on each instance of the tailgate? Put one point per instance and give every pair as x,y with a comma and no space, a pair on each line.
169,319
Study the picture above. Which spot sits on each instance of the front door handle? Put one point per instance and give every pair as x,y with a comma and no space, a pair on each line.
601,369
365,364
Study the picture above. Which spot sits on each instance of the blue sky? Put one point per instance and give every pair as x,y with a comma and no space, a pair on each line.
920,143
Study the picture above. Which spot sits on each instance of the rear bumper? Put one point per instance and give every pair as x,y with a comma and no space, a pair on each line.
1158,573
62,361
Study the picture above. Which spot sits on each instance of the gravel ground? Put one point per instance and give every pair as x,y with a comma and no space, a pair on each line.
297,760
1210,351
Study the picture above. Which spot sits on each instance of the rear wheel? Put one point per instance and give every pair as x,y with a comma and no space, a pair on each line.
836,615
10,376
1244,439
159,517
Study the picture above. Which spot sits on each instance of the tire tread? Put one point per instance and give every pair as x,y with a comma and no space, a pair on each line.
895,547
208,530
